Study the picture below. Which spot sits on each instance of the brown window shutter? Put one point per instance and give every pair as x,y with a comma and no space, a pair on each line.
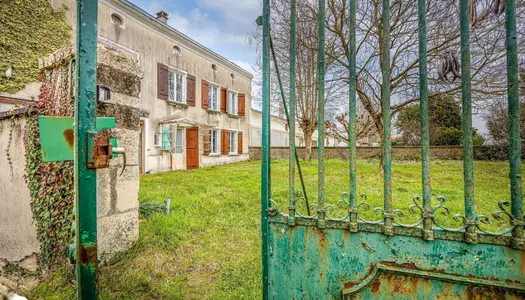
190,90
207,142
162,81
224,96
239,144
204,94
225,142
242,105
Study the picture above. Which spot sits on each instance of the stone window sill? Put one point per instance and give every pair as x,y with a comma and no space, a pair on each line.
178,104
233,116
212,111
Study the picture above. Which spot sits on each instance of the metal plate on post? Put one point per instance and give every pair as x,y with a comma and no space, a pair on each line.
57,136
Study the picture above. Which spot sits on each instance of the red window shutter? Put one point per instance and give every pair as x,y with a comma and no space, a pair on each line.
225,142
242,105
190,90
207,142
239,145
224,96
204,94
162,81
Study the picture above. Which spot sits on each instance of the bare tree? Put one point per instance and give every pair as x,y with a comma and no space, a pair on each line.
487,49
307,70
488,66
365,130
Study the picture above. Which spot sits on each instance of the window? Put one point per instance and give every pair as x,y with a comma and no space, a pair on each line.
117,19
233,142
233,103
176,50
213,97
215,141
166,142
176,86
179,147
156,140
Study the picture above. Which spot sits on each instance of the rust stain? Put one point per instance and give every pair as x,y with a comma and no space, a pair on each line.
365,246
375,286
69,135
350,284
407,265
89,255
322,241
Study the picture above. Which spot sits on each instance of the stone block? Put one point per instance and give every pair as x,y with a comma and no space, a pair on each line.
117,233
129,140
30,263
125,100
103,192
127,189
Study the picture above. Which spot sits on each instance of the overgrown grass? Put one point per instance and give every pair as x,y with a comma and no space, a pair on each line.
209,246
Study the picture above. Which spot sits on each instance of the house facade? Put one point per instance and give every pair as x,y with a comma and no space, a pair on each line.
194,104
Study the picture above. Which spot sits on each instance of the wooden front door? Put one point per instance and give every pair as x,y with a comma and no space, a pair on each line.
192,148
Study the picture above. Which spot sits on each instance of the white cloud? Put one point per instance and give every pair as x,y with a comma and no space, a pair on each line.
198,26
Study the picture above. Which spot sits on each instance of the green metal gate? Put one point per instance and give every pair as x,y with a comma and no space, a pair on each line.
319,256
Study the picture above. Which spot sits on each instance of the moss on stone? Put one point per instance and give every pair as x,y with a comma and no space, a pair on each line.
29,30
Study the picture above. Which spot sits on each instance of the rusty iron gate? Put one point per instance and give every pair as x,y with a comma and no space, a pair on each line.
319,256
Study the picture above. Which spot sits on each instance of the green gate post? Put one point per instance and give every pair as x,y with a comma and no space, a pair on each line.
466,122
514,125
86,179
428,233
387,145
265,180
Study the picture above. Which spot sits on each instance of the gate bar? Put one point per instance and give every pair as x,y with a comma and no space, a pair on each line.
423,111
85,179
285,104
291,114
351,122
466,122
320,118
265,180
387,146
514,125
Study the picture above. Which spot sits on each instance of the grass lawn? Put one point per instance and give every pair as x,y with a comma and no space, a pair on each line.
209,246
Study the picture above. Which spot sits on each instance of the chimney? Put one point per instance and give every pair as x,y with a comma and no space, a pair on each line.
282,113
162,16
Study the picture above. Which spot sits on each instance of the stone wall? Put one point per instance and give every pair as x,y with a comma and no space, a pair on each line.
398,153
118,193
117,197
17,231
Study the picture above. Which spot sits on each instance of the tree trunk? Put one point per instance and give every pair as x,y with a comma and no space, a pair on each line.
307,146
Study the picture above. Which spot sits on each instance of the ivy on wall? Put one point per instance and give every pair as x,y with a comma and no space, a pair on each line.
29,30
51,183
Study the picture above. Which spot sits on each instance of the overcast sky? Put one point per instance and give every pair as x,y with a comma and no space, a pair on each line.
223,26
